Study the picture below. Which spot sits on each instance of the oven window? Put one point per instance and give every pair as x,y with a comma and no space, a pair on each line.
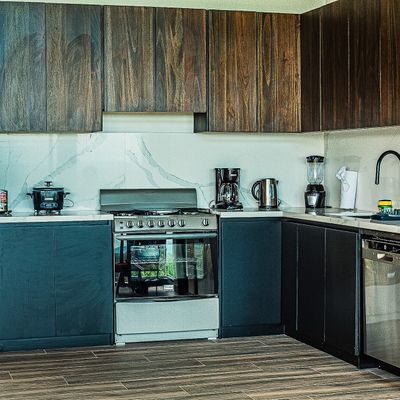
165,268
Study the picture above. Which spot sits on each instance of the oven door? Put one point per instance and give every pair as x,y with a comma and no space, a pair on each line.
166,267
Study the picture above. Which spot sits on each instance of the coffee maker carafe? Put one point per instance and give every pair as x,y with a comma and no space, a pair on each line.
227,182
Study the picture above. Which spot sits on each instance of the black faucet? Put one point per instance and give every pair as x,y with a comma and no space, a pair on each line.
378,163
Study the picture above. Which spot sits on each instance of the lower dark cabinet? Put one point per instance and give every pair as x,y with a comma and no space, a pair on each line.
27,302
83,289
311,276
250,276
342,288
289,277
321,287
56,285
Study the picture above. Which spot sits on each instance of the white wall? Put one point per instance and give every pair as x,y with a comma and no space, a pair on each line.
359,150
284,6
151,150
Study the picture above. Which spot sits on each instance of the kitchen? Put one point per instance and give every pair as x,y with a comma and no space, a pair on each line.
160,151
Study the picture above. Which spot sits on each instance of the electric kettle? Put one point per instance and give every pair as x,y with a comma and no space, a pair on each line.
266,193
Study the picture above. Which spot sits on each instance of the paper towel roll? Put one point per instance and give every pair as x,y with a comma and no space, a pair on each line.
348,189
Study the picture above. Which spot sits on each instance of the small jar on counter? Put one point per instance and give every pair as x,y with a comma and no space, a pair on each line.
385,206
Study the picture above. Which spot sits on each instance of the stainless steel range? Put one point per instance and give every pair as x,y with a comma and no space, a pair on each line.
165,264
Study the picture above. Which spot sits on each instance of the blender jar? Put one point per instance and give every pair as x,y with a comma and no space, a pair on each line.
315,170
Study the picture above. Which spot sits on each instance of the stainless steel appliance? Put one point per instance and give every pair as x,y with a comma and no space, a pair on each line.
381,284
227,183
48,198
315,194
265,191
165,265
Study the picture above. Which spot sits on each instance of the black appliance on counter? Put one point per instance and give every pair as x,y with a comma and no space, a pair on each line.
48,199
227,181
165,265
315,194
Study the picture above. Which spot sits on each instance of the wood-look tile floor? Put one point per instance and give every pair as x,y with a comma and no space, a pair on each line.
257,368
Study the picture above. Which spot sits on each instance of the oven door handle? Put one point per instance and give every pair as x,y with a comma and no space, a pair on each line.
164,236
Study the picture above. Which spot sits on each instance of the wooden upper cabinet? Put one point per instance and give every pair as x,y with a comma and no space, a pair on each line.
181,60
279,72
390,62
22,67
310,71
335,77
74,68
364,63
232,71
129,59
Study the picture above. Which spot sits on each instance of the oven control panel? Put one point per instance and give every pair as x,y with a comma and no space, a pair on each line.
199,222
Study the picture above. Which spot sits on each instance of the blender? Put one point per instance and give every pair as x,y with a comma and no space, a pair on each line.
314,195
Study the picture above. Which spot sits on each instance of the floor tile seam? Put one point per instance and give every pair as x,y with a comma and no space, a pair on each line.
303,385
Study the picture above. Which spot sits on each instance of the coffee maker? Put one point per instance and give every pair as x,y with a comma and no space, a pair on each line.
314,195
227,182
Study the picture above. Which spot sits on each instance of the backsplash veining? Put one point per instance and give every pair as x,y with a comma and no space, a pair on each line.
147,151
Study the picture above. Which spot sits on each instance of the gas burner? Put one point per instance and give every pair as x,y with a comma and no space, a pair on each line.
182,211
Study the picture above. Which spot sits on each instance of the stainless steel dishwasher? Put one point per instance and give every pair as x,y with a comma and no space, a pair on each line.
381,284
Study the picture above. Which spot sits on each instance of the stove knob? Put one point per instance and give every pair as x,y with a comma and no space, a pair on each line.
150,224
181,223
161,224
140,224
205,222
171,223
129,224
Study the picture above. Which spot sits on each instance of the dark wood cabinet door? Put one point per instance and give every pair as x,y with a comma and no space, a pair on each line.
364,63
310,71
232,71
22,67
83,280
342,290
390,62
311,283
129,59
74,68
250,276
335,78
181,60
27,295
279,72
289,277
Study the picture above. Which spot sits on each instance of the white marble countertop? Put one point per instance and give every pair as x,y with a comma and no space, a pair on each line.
301,214
65,216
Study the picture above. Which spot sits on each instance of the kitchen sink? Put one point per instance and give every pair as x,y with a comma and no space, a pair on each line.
351,214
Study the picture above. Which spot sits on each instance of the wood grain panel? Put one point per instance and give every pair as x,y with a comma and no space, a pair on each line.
129,59
232,71
22,67
74,55
390,62
335,79
364,63
279,72
310,71
181,60
273,367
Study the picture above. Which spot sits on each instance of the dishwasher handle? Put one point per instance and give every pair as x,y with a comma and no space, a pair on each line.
381,256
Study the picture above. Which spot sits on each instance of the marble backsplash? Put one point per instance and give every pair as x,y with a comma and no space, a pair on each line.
151,151
359,150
